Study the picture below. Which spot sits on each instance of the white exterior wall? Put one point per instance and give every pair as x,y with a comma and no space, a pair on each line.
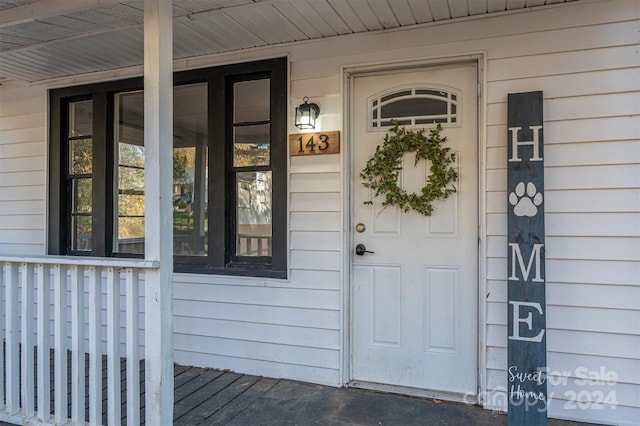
585,59
23,148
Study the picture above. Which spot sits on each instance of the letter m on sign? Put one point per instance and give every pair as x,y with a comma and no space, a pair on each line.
517,263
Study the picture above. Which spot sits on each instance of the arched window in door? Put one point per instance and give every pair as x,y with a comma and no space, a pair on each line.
413,106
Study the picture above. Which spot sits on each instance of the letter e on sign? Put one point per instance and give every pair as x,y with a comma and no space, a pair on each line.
314,143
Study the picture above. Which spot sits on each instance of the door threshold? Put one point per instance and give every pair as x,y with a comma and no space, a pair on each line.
467,398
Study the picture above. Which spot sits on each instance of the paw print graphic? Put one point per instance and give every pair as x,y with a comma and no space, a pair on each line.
525,204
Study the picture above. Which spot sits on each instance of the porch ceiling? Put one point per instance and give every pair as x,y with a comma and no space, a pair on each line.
43,39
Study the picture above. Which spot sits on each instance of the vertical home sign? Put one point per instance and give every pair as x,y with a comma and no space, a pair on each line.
527,354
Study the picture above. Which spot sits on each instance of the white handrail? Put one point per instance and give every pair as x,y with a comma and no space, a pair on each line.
83,261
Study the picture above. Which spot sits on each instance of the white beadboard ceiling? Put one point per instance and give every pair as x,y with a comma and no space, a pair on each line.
43,39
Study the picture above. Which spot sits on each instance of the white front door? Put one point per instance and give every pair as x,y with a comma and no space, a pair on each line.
415,298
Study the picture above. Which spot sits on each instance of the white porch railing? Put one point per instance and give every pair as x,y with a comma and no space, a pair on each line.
38,330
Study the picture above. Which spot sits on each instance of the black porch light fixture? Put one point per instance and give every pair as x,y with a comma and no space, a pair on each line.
306,115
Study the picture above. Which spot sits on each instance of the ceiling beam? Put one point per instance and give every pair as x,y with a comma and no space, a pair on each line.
40,9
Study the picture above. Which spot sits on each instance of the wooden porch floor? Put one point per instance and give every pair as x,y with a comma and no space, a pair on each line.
204,396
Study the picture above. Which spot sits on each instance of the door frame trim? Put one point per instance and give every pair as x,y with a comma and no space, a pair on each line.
349,73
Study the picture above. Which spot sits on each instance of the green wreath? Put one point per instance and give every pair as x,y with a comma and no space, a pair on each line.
382,169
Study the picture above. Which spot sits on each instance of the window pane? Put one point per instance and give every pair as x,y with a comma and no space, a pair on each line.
130,235
399,122
81,195
130,155
251,101
130,179
429,121
396,95
81,118
253,214
189,113
129,226
251,145
129,173
190,223
437,93
81,233
130,118
80,156
190,170
414,107
130,205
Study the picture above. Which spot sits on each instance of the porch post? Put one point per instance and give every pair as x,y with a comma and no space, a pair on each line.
158,142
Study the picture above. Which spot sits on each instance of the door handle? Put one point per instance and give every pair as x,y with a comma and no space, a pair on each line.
361,249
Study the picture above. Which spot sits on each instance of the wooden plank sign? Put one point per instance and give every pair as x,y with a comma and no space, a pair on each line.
527,354
314,143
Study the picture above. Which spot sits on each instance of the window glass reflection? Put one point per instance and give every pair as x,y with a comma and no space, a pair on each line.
190,170
253,214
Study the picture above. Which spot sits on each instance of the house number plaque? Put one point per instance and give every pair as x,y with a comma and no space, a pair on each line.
314,143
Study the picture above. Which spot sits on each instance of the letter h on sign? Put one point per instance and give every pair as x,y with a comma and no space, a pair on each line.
535,143
526,351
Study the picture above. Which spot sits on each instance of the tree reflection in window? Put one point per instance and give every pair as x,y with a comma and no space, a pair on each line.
190,171
129,224
80,173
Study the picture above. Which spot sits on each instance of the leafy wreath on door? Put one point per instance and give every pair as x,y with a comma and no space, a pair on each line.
383,168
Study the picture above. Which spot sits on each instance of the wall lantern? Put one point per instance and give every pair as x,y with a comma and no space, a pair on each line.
306,115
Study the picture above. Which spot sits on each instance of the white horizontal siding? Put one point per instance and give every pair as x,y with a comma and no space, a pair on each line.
577,154
318,202
611,296
23,151
255,294
568,62
581,247
267,327
592,205
579,177
259,314
247,357
604,272
583,57
578,318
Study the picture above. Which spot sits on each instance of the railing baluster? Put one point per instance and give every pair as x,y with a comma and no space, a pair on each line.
12,341
77,345
28,341
60,343
44,367
26,290
133,347
113,346
95,337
